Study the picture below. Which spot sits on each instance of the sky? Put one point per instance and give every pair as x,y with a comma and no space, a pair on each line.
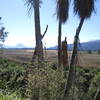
20,24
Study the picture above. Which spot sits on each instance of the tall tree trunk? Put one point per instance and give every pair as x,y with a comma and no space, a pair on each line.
71,74
59,44
64,54
38,53
39,46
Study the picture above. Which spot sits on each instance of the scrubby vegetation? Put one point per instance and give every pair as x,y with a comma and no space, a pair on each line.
11,77
89,52
45,82
12,96
98,51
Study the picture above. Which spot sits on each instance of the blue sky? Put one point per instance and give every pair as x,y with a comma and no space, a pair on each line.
21,27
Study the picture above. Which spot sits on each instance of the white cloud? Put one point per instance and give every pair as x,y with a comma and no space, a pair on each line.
29,40
26,40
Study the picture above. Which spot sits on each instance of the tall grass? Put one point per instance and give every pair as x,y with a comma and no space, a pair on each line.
12,96
46,83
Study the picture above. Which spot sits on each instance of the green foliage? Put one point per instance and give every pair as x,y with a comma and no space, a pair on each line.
95,83
12,96
96,80
45,82
90,94
3,35
11,76
84,88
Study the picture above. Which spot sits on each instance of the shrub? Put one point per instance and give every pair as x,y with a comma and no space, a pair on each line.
45,83
90,94
89,51
11,76
98,51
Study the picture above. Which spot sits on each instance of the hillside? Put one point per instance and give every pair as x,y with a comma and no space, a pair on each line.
91,45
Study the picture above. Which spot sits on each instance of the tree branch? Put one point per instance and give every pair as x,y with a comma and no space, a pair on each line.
45,32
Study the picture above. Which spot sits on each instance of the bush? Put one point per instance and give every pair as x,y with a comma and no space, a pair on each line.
90,94
45,83
98,51
89,51
96,80
11,76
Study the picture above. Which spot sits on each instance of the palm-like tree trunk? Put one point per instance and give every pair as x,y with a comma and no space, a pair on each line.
64,54
71,74
39,46
38,53
59,44
62,16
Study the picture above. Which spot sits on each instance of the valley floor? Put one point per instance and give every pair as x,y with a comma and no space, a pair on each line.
24,56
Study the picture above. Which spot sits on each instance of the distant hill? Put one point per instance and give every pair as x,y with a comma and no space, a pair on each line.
18,46
90,45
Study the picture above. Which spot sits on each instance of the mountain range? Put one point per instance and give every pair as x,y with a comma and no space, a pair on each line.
90,45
